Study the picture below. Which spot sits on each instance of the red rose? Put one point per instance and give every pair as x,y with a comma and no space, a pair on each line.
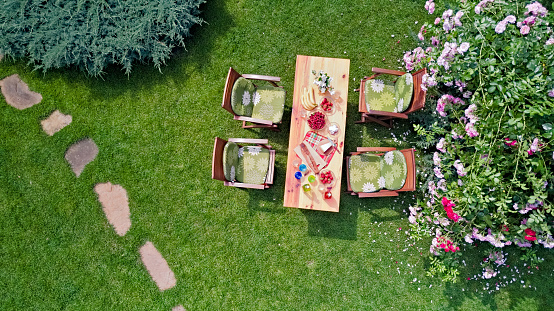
530,238
530,232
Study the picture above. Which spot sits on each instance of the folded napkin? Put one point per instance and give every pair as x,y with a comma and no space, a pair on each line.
314,139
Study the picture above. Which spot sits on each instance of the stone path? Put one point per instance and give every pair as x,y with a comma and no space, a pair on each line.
55,122
113,198
17,93
80,154
115,205
157,266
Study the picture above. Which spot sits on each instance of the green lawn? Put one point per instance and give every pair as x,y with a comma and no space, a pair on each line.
230,249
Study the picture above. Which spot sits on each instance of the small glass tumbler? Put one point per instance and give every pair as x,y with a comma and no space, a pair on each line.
303,168
298,175
296,163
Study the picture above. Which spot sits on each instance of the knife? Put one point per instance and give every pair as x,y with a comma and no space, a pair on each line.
308,156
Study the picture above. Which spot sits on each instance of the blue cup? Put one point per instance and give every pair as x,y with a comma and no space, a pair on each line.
298,175
303,168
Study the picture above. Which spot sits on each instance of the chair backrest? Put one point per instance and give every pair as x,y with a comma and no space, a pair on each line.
418,100
232,76
410,184
217,160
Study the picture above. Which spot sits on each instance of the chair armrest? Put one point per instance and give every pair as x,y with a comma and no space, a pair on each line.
271,168
241,185
382,193
387,71
372,77
398,115
260,141
269,79
369,149
253,120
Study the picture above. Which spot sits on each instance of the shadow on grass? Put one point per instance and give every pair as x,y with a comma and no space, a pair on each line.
342,225
520,286
264,200
196,53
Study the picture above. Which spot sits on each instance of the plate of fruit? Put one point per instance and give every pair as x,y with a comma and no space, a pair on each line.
316,120
327,106
327,178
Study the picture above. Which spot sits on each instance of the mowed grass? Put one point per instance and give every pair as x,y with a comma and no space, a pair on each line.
230,249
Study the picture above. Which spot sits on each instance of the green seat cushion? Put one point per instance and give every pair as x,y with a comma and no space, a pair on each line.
242,97
269,103
230,160
394,169
379,95
253,164
403,91
364,173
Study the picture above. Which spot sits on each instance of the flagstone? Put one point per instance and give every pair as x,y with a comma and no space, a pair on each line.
115,205
17,93
55,122
80,154
157,266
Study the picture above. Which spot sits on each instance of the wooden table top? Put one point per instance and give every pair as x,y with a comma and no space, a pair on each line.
339,70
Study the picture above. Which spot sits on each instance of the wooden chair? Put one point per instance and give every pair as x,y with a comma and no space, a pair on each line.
409,184
217,162
232,76
385,118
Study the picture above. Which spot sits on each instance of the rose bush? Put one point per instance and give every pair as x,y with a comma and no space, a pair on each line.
491,66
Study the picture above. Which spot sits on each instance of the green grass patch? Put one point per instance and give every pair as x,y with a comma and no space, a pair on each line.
230,249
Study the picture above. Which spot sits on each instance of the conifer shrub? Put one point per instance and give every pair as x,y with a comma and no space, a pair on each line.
91,34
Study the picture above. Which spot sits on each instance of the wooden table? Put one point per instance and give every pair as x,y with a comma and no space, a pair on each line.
339,70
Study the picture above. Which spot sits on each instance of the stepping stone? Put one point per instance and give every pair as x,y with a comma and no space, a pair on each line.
157,266
55,122
178,308
17,93
81,154
115,205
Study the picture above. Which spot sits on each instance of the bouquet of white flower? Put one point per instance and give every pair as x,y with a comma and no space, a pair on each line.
323,82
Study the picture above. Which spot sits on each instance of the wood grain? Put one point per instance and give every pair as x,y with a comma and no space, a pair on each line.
339,70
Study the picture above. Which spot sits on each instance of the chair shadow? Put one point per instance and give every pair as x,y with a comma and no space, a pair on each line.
265,200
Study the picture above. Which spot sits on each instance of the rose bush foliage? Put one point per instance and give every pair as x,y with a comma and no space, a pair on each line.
491,65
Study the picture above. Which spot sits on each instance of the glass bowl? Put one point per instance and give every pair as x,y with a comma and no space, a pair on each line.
333,129
327,178
330,106
317,120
